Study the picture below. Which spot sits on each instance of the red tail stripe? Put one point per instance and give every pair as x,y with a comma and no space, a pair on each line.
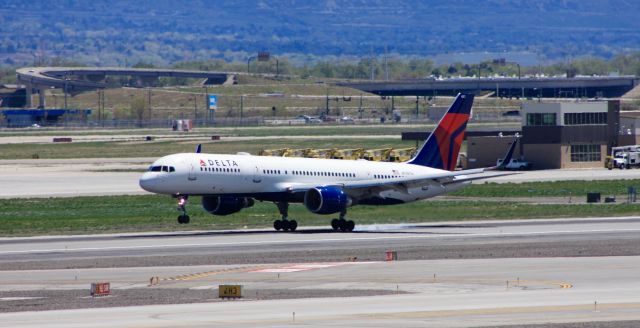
444,133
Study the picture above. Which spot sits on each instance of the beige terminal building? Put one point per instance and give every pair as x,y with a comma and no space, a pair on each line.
561,135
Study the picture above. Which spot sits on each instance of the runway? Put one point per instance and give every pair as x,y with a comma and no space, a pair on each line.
449,275
482,239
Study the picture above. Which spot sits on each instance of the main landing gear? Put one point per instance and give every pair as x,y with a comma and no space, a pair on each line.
341,224
182,207
284,224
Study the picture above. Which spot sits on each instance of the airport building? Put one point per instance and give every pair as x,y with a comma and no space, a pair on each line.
560,135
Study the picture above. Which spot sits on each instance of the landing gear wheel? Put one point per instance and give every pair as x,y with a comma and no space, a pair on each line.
335,224
277,224
286,225
293,225
342,223
183,219
349,226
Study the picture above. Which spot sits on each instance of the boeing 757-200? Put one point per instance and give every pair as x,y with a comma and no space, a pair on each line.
230,183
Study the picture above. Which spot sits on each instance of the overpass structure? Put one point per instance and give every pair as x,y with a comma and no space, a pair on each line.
525,87
74,80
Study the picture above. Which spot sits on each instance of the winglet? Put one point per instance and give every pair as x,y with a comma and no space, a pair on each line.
507,158
199,149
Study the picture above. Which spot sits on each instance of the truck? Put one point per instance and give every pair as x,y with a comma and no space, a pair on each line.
626,160
624,157
515,164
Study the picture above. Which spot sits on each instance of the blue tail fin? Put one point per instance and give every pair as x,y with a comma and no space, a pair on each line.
441,149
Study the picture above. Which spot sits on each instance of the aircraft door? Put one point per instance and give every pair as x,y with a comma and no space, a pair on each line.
192,172
257,177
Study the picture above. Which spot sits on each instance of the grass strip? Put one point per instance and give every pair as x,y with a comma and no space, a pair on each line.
89,215
548,188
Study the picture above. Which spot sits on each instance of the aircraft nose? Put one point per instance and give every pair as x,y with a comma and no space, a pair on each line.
148,181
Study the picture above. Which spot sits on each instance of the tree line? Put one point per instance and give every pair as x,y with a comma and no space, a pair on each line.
381,69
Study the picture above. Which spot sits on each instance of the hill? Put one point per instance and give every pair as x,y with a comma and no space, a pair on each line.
102,32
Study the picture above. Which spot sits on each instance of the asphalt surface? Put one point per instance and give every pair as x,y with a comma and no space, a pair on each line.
540,272
455,240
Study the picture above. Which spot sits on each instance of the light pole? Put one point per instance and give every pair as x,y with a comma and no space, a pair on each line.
195,109
249,62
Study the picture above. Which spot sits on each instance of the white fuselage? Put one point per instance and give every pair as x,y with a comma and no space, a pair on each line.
220,174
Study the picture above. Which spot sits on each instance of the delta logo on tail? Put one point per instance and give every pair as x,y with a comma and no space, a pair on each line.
441,149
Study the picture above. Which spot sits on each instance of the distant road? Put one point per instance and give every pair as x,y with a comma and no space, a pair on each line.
60,77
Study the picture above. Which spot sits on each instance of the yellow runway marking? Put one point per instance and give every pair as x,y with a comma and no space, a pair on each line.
198,275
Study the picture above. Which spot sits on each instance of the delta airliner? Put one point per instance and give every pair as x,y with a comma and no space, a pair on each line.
230,183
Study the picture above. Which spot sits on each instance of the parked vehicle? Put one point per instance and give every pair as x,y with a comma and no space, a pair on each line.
626,160
624,157
309,119
346,120
515,164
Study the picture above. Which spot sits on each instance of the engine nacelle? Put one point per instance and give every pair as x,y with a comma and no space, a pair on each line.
225,205
326,200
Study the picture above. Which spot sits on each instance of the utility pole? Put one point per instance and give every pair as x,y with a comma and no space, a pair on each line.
65,96
149,102
241,107
249,62
104,106
327,102
386,67
206,106
195,109
371,65
99,104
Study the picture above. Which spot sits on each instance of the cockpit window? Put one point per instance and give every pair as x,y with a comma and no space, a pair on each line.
162,168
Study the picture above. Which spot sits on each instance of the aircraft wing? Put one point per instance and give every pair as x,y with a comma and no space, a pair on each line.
374,187
359,188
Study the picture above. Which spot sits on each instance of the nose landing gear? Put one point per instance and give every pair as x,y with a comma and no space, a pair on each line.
182,207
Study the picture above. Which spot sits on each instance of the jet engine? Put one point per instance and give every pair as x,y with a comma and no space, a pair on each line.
225,205
326,200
